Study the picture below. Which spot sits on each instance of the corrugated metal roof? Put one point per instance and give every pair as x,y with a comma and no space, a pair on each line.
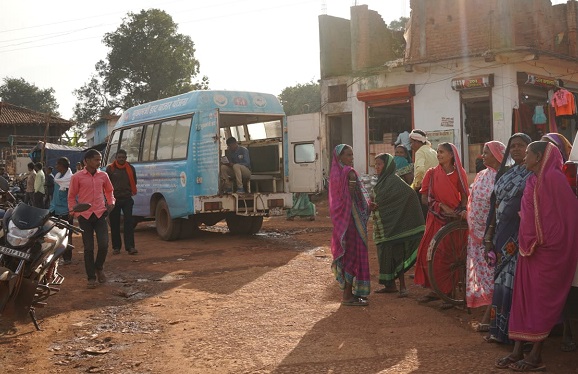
15,115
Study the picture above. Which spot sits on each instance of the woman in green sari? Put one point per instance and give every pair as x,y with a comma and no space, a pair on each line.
398,225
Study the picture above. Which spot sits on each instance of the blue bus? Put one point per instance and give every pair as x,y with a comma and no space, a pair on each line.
176,145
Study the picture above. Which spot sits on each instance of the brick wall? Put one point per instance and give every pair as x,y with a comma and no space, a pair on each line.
334,46
450,28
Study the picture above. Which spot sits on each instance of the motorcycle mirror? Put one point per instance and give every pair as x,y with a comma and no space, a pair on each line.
4,185
81,207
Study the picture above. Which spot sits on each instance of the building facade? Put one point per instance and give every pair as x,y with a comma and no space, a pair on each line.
473,71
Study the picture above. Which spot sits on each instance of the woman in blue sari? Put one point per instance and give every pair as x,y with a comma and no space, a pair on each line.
502,233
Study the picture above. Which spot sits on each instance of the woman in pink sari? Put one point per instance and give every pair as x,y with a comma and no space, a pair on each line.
548,255
349,209
480,275
445,191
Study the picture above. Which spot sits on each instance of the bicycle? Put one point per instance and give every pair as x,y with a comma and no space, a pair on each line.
446,257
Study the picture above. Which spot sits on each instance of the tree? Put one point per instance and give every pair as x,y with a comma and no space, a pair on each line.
148,60
27,95
399,43
301,98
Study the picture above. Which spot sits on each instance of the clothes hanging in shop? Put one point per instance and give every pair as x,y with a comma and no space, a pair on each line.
564,102
539,118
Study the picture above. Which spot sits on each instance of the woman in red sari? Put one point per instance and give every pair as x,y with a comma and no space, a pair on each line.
547,256
349,207
445,192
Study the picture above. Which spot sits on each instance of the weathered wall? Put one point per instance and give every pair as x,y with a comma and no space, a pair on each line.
334,46
451,28
371,40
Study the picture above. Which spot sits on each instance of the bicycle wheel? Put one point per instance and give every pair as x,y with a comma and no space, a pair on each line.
447,254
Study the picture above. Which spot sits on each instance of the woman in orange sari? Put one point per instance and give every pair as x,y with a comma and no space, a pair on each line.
445,192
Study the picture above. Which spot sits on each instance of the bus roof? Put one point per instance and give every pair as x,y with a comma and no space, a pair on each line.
194,101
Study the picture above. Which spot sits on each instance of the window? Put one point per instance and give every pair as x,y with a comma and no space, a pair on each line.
304,153
150,142
166,137
181,138
113,147
337,93
173,139
130,142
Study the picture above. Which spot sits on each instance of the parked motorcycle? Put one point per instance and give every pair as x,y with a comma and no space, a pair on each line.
31,243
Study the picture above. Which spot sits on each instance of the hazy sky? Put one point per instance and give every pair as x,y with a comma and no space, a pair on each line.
241,45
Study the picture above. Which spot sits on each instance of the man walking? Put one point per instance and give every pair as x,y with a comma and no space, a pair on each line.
59,202
123,178
49,186
30,179
39,190
93,186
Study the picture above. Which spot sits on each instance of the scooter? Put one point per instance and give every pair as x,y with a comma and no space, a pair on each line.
31,243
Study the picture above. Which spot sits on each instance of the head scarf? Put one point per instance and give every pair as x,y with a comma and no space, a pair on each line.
497,149
560,142
460,170
399,213
417,136
400,161
504,165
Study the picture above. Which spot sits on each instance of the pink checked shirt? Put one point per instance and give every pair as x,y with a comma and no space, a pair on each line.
92,189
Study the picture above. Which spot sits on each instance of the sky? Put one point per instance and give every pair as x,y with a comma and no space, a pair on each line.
246,45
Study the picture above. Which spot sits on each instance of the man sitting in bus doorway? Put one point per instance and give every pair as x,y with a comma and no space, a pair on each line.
237,165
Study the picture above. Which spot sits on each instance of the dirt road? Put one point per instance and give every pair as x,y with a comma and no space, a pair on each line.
226,304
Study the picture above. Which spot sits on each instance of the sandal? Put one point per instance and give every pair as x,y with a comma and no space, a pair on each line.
568,347
491,339
481,327
355,302
446,306
505,362
526,366
403,293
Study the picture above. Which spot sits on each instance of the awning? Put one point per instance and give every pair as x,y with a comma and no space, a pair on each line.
387,95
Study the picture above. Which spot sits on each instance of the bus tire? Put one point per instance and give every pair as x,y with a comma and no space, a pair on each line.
256,225
239,225
167,228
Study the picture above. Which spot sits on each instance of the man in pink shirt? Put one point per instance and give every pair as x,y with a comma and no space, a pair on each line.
90,185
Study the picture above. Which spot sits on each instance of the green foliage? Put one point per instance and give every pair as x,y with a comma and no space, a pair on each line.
398,42
148,60
300,99
21,93
399,24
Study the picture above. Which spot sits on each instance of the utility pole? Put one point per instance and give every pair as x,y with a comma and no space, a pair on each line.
45,136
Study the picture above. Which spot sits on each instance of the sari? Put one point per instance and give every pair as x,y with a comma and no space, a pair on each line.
302,206
403,165
505,205
398,223
441,188
479,275
560,142
547,251
349,216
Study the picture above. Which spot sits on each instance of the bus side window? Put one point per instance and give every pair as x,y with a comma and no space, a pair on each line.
113,147
130,142
150,142
181,140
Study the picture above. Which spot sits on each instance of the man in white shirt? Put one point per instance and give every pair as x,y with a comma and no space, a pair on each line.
425,158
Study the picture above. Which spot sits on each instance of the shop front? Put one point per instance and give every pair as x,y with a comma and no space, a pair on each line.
389,112
536,115
476,116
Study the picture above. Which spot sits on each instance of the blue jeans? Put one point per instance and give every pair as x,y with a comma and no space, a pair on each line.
94,225
124,205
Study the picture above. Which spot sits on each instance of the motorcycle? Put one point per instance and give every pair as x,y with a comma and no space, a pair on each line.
31,243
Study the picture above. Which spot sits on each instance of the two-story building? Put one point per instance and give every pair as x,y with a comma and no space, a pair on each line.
473,71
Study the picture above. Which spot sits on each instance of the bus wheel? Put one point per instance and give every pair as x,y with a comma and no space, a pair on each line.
239,225
167,228
256,225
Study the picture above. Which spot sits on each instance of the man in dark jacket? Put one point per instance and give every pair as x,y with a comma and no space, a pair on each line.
123,178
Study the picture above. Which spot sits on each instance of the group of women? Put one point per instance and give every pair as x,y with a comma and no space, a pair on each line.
522,217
